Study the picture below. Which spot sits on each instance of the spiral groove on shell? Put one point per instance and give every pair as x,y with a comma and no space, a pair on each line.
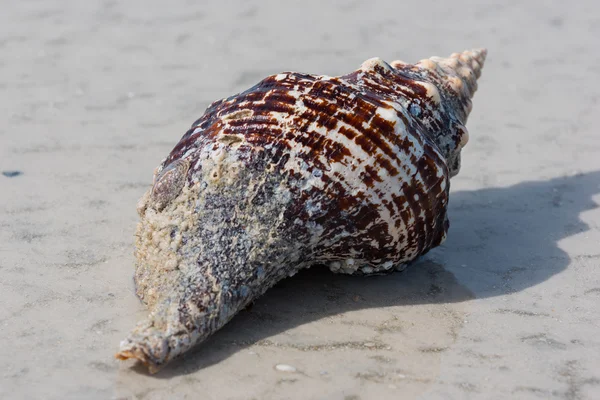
350,171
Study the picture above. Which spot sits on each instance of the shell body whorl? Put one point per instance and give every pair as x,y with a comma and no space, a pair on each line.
351,171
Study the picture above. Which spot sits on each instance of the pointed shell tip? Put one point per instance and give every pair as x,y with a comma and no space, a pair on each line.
480,54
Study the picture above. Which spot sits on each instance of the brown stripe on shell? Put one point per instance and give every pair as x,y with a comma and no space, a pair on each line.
326,102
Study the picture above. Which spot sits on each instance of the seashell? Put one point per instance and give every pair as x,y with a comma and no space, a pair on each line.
285,368
351,172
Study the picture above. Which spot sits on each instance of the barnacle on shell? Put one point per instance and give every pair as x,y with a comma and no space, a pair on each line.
351,172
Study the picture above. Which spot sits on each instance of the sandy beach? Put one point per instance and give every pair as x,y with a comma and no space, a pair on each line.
96,93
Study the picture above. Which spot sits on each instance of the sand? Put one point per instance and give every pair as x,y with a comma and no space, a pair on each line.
94,94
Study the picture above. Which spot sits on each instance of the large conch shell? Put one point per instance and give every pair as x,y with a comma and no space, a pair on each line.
351,172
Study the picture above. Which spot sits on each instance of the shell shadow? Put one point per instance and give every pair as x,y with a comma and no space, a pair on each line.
501,240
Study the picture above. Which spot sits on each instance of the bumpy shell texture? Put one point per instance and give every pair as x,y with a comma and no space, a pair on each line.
351,172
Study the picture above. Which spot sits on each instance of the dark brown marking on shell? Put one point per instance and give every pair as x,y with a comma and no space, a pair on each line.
328,101
323,102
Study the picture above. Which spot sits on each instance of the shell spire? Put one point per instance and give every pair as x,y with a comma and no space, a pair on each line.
458,74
